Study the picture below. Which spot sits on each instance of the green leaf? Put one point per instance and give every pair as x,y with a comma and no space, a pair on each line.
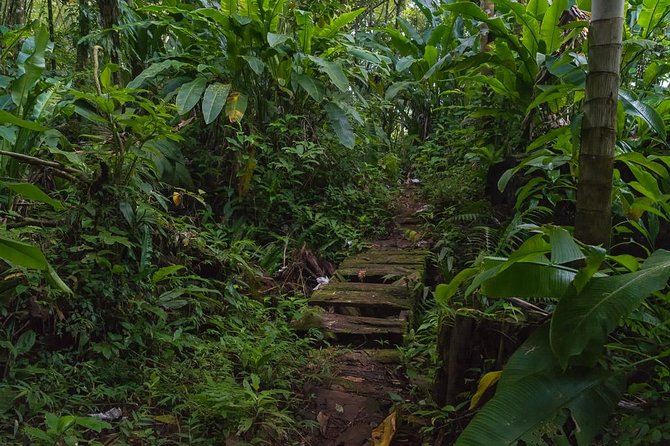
189,94
65,422
550,33
25,342
444,292
22,254
32,62
9,134
165,271
152,71
628,261
648,114
34,193
530,280
256,65
404,63
334,72
396,88
584,320
652,15
274,40
340,122
310,85
537,8
331,29
214,100
8,118
563,246
531,26
305,24
533,393
553,93
410,31
55,280
85,112
95,424
505,179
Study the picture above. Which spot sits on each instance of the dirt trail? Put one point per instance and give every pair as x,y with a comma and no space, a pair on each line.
367,308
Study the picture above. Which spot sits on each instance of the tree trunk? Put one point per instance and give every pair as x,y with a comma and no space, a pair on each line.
52,32
593,222
84,30
109,18
13,13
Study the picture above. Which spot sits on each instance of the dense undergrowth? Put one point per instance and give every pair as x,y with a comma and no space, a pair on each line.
178,252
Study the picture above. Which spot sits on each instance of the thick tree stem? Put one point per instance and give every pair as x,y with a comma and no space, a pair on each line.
593,223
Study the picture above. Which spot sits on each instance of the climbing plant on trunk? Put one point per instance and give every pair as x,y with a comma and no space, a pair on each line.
596,160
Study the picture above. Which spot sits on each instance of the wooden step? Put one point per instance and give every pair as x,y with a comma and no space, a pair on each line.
350,294
399,291
380,273
360,325
384,257
394,250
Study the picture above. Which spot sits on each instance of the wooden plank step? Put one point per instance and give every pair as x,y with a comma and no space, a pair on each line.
383,257
373,272
384,296
360,325
391,250
398,291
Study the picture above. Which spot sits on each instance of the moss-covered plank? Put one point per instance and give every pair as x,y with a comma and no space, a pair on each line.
397,291
360,325
379,298
380,272
393,250
383,257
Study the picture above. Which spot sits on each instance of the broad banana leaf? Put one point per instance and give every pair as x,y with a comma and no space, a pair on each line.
652,15
533,393
583,320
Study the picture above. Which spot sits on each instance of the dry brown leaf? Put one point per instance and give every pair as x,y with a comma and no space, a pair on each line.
383,434
323,418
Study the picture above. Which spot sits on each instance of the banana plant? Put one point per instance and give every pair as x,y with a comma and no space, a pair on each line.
418,57
19,254
264,58
28,101
559,374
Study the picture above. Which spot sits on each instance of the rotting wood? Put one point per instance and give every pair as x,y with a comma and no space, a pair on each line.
374,272
360,325
361,260
328,297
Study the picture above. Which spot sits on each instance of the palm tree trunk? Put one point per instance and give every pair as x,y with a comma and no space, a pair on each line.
593,222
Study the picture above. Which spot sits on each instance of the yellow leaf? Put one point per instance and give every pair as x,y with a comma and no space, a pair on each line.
236,105
383,434
487,381
176,198
322,418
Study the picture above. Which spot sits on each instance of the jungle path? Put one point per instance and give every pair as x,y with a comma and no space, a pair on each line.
367,308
